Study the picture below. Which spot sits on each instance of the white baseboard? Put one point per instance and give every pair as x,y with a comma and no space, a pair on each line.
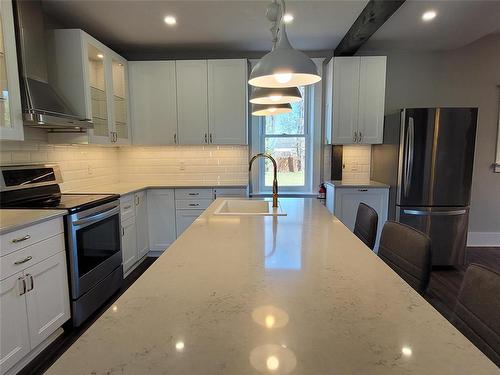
486,239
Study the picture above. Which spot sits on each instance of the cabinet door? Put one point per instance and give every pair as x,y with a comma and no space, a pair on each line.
329,102
11,121
184,218
371,99
192,103
15,342
129,244
347,201
345,99
47,300
119,74
161,218
99,84
141,222
330,198
153,102
227,101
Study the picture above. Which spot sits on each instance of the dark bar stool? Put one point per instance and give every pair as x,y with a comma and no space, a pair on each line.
365,227
408,252
477,312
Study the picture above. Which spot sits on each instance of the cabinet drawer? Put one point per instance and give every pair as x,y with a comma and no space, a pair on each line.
30,255
193,193
230,192
184,218
192,204
24,237
127,210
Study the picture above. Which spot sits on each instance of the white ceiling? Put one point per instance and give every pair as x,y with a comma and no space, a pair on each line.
228,25
457,24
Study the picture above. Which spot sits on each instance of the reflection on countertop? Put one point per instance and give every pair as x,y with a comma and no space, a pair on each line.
357,184
212,305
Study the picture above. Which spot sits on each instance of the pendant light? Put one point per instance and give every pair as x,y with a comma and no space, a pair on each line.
284,66
281,95
270,109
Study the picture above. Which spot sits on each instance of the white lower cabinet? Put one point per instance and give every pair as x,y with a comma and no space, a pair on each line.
15,342
184,218
345,201
141,222
34,295
47,300
129,243
161,218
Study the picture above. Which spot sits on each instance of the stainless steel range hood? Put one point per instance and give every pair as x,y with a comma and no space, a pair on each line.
43,107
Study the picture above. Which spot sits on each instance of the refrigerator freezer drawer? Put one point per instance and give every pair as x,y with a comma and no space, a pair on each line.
447,228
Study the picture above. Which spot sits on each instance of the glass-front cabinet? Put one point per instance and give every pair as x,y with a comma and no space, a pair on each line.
98,99
107,80
120,100
11,122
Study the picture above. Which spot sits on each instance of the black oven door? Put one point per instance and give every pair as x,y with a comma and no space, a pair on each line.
94,246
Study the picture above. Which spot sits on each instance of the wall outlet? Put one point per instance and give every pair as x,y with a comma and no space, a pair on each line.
182,166
89,170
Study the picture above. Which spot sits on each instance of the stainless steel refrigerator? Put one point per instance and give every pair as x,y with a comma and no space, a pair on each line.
427,158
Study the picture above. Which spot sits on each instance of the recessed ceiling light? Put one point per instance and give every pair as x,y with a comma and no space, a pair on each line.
429,15
170,20
100,55
288,18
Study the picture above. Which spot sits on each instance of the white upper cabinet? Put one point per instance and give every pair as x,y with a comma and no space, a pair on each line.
192,103
227,101
189,102
372,72
355,100
153,102
11,120
94,80
345,99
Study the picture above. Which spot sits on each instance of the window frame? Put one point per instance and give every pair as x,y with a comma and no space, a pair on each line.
308,139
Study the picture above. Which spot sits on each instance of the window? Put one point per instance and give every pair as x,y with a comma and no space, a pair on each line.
287,138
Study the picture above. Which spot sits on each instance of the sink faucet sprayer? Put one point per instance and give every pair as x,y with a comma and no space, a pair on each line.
275,174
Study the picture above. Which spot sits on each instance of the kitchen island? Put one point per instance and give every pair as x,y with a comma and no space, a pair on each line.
289,294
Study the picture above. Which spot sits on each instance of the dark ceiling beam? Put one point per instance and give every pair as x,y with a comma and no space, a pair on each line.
374,15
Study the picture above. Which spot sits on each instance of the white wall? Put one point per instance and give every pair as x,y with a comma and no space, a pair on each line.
468,76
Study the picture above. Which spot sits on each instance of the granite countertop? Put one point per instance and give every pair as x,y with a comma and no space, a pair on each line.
357,184
124,188
291,294
11,219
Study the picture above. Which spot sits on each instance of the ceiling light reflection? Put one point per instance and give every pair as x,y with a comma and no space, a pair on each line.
272,363
429,15
270,317
179,346
406,350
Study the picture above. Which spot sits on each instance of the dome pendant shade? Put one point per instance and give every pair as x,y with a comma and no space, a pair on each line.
270,109
284,66
265,95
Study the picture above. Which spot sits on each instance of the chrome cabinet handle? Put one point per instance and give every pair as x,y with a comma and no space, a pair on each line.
362,189
127,207
21,282
175,138
16,240
211,138
31,282
434,213
193,193
27,259
194,204
123,231
355,137
360,139
206,140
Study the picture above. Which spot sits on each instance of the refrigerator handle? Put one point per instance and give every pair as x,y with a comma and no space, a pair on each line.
434,213
410,146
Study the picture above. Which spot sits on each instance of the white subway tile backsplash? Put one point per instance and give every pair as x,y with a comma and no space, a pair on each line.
356,161
85,166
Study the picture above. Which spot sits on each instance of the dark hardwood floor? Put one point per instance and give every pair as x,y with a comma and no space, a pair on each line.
47,357
445,282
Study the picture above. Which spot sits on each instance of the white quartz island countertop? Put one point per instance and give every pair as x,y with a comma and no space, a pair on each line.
293,294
